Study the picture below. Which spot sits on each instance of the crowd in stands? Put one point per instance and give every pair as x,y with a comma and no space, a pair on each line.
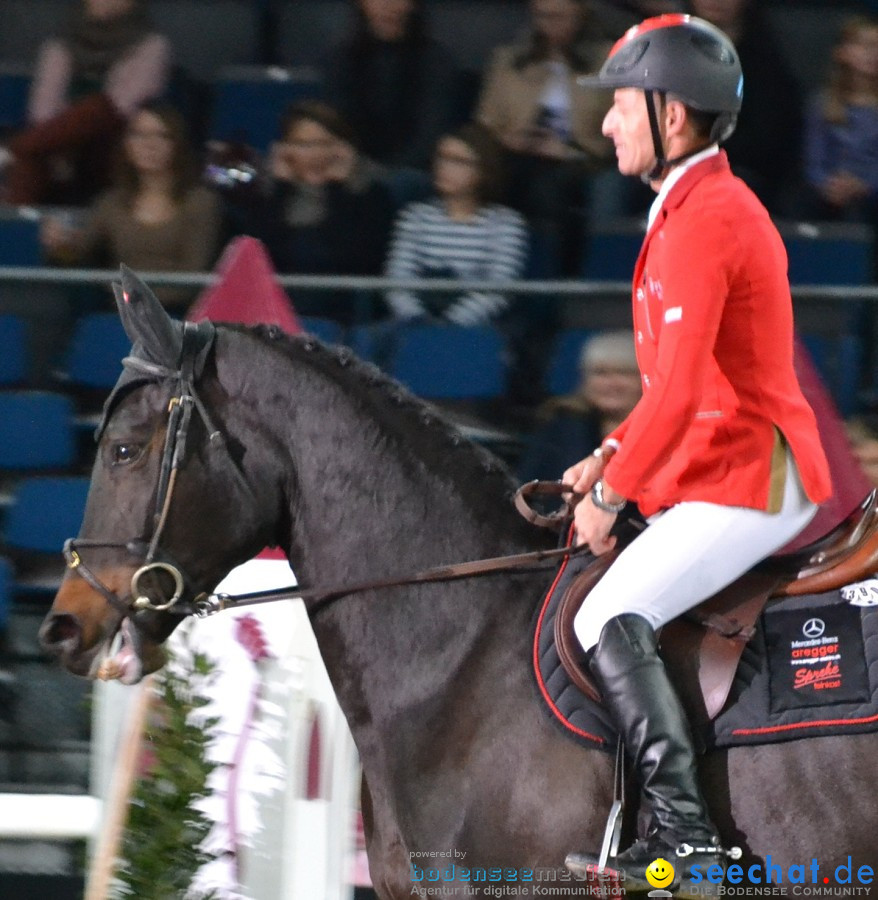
402,164
463,232
104,64
391,97
154,216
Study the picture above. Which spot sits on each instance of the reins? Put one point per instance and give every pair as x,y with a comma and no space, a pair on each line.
319,597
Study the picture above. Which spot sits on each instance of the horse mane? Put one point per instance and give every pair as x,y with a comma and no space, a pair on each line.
469,468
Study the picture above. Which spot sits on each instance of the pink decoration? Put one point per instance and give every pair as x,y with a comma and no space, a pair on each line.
247,291
248,633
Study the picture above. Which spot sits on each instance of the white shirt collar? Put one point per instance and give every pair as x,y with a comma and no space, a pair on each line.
675,175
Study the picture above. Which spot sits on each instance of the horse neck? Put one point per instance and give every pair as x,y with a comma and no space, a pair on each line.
372,479
377,488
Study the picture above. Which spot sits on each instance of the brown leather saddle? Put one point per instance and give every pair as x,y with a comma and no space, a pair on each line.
711,637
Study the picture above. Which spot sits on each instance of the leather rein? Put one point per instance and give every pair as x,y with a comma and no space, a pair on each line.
317,597
183,402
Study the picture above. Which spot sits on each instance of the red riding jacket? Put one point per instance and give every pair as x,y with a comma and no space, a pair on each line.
713,326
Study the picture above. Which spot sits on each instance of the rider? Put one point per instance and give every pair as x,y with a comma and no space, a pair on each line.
721,454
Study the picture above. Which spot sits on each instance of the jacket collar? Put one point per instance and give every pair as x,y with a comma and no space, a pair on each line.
718,162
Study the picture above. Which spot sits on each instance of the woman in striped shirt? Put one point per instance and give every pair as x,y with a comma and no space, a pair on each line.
461,233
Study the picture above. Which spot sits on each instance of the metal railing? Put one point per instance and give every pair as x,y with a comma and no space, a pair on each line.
563,287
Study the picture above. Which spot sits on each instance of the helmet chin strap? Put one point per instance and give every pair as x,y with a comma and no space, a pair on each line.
662,165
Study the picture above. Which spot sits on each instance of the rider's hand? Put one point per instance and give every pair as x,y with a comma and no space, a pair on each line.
593,526
584,474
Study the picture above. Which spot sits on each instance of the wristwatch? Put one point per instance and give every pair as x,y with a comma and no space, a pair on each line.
597,497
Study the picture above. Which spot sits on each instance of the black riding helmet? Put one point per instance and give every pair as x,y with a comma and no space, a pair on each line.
680,55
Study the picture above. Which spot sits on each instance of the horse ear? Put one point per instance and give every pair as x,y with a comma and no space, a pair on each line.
154,334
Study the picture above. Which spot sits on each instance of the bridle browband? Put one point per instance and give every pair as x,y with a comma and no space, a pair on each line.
184,400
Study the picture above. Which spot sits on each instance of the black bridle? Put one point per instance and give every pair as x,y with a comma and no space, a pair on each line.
183,402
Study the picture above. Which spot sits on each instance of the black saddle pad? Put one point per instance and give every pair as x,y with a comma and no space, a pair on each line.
579,716
811,670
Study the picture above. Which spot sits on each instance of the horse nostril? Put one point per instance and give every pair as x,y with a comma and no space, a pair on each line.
61,632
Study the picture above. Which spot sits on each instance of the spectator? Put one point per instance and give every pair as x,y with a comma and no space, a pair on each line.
608,390
550,126
841,146
87,84
462,233
393,83
863,434
156,216
764,149
326,209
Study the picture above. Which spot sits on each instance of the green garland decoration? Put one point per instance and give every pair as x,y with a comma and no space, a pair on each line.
161,846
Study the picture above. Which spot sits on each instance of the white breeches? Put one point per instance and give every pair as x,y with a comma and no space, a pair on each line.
687,554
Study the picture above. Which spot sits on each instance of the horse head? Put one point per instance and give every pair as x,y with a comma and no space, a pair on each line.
125,590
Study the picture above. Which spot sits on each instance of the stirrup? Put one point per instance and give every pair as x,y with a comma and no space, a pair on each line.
613,829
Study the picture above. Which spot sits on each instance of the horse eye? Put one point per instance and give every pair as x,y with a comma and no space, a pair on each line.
126,453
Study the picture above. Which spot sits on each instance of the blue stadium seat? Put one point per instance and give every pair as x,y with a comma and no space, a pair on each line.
361,340
94,356
562,374
14,89
451,363
327,330
37,431
45,511
249,102
828,253
611,252
19,239
13,350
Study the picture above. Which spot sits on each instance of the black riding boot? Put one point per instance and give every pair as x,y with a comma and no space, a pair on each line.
652,723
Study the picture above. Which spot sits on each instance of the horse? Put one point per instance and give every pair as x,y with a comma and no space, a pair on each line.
293,443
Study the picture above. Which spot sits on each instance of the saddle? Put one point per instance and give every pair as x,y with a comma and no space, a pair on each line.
710,638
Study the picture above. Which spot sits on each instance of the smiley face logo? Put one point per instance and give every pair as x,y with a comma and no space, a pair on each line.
660,873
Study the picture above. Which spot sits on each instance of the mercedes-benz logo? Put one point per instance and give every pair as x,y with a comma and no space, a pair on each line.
813,628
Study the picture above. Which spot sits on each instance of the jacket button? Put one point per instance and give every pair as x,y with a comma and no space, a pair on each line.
639,337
